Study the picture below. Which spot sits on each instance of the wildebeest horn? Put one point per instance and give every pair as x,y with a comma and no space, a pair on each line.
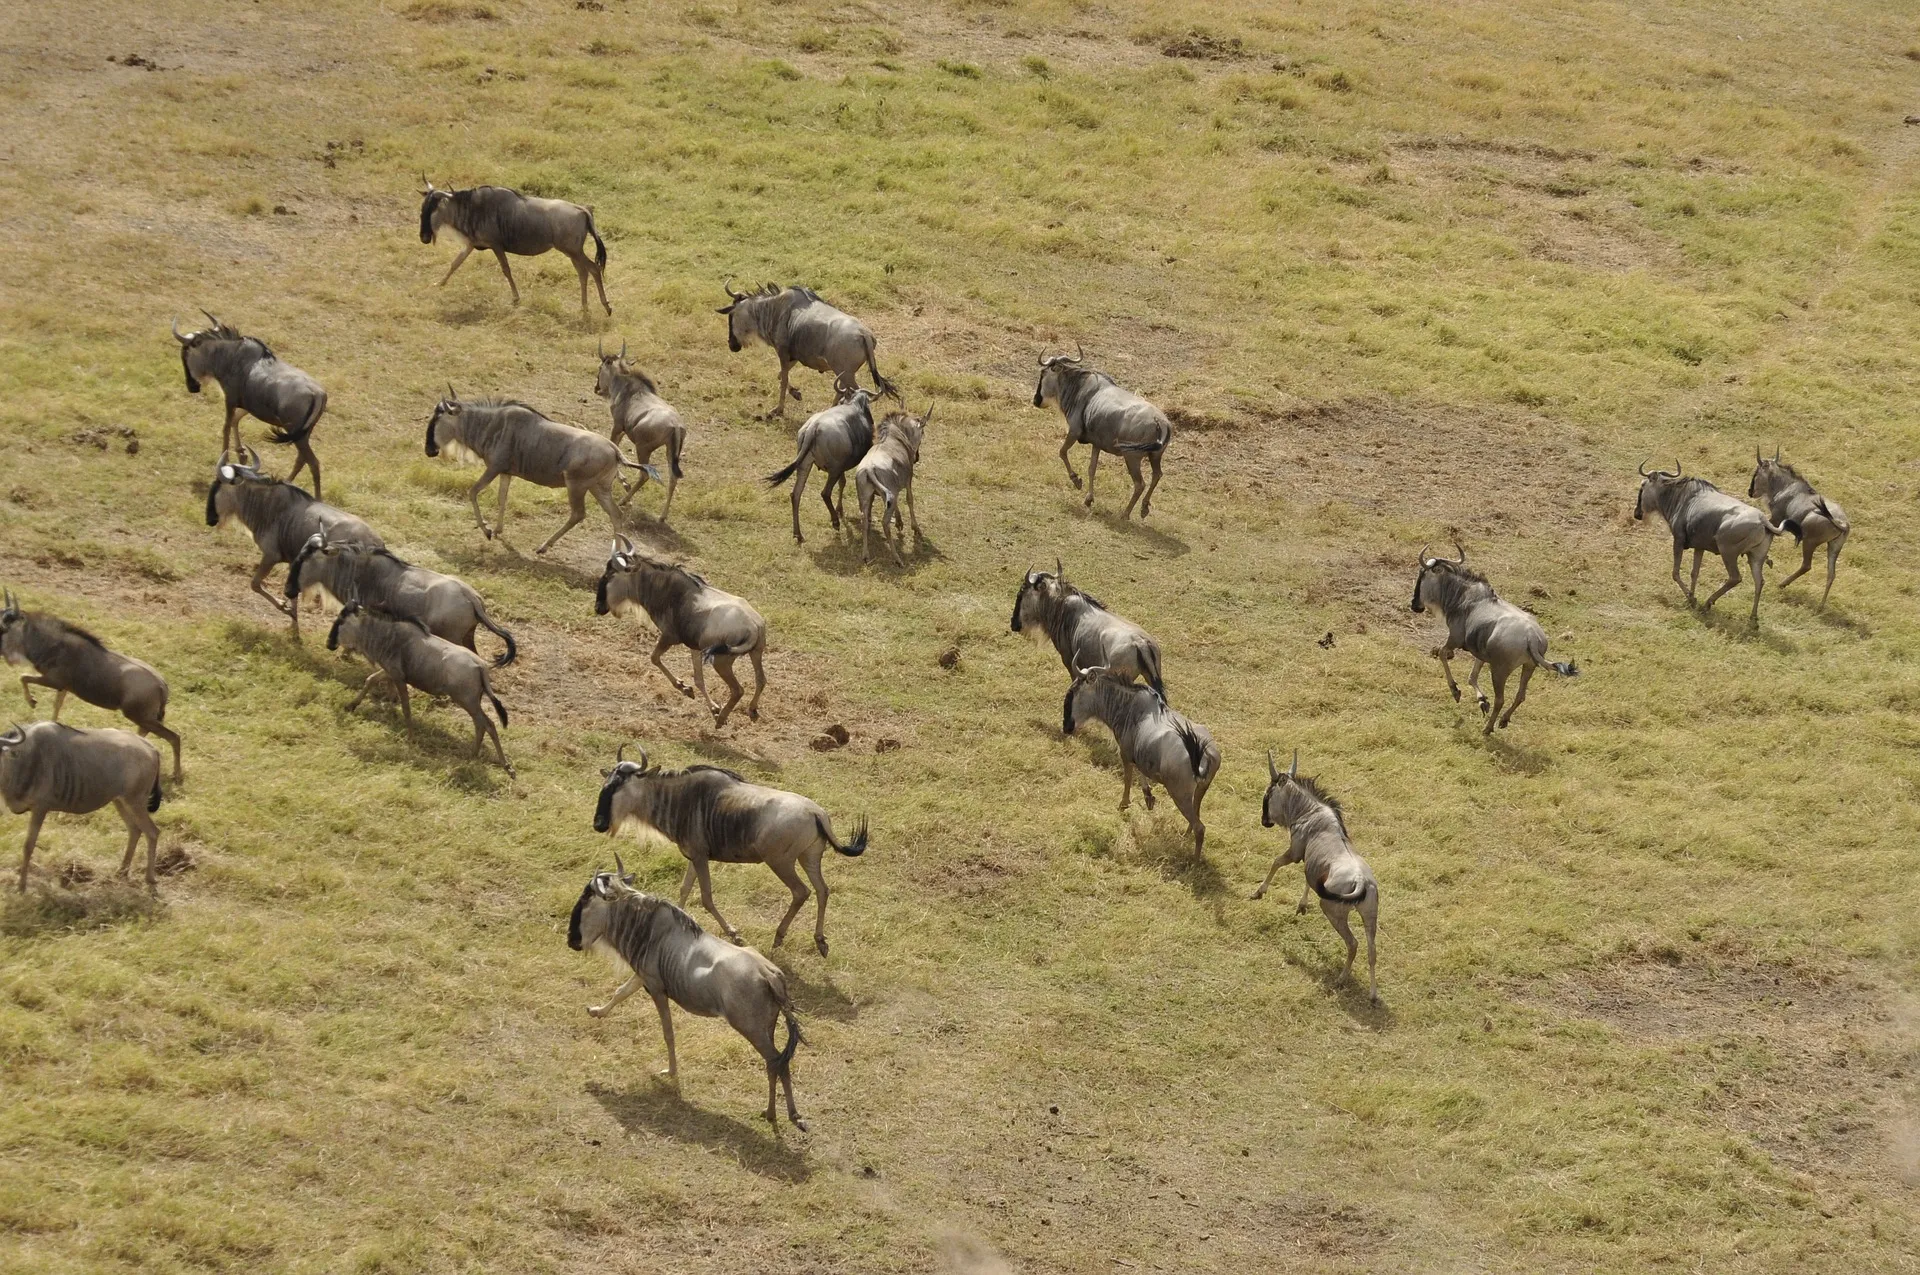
1677,468
452,396
1295,768
1079,351
1643,469
623,349
1776,453
621,868
1462,548
600,347
211,318
176,333
426,187
253,457
727,285
1059,570
1273,770
14,734
621,543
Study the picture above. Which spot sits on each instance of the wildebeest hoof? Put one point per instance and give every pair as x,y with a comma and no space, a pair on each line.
820,941
753,714
1456,694
1300,910
799,1124
1257,895
684,689
597,1011
1088,502
1484,706
1075,479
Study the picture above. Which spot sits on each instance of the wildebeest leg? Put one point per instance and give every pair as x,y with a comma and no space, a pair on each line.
759,684
705,878
780,399
620,993
1693,587
1093,464
1139,485
1500,675
820,893
866,525
307,461
686,885
1337,914
1272,871
800,476
456,264
1445,655
26,853
502,257
1306,895
1473,680
665,1008
140,824
473,496
1806,563
791,879
1733,577
600,282
913,514
700,685
838,506
1068,461
576,514
723,665
231,429
1370,917
1679,552
1190,809
165,734
604,495
659,649
1833,561
582,266
1126,783
1519,694
1146,501
406,705
365,686
259,586
1757,560
59,698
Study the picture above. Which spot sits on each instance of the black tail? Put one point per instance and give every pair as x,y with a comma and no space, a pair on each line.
1792,525
1151,666
723,649
504,636
1159,444
773,480
854,848
599,246
675,442
153,798
498,707
1331,897
1569,669
785,1056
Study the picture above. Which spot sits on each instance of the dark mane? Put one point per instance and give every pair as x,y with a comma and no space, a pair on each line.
717,770
1325,798
805,294
62,628
381,613
501,402
653,904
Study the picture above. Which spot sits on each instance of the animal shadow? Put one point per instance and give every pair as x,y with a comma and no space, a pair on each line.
822,999
472,559
1513,759
659,1109
716,748
1805,603
841,555
1735,626
91,903
1349,992
1171,545
1169,848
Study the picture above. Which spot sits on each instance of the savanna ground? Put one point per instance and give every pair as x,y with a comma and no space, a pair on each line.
1403,272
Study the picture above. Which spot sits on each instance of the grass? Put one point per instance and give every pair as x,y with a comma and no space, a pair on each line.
1647,958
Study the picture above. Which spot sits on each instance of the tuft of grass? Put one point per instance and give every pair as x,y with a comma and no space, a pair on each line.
960,70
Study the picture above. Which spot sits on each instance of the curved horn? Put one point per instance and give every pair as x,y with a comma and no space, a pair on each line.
1756,453
253,457
452,395
600,347
726,285
1776,453
225,458
1678,469
621,543
1059,570
1043,360
211,317
426,186
623,349
1643,469
1273,769
1461,548
1079,351
1423,555
625,876
1295,768
176,333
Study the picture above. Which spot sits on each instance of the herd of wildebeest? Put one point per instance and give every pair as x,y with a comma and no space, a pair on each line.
416,627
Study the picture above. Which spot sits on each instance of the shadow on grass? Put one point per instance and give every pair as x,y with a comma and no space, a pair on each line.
1172,546
1169,848
658,1109
719,749
471,559
1809,604
1349,992
841,555
1736,626
1512,758
822,999
50,908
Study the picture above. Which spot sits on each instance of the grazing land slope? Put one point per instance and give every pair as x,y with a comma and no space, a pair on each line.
1401,273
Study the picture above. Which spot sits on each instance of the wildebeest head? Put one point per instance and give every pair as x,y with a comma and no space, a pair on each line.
226,476
1035,590
435,206
445,409
193,347
1292,795
742,313
1768,475
616,365
13,630
1654,484
910,429
589,920
1430,567
1070,708
1054,370
623,770
352,608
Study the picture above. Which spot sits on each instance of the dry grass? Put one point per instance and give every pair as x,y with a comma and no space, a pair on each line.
1404,273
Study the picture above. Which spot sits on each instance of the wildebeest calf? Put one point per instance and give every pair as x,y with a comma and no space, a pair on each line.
689,612
1792,502
48,767
1492,631
405,655
835,439
1163,745
644,419
887,471
70,659
1317,835
678,963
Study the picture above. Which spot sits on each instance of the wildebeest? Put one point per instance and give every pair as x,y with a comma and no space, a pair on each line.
70,659
835,439
405,655
1493,632
1703,517
1163,745
281,518
515,441
253,380
1082,630
448,607
643,418
49,767
687,611
715,816
1317,834
887,471
1793,503
1107,419
802,329
506,221
679,963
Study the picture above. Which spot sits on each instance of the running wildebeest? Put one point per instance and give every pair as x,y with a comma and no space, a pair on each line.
835,439
1082,630
506,221
802,329
405,655
1317,834
887,471
70,659
1107,419
667,952
1703,517
515,441
281,518
254,381
1793,503
715,625
715,816
1163,745
643,418
49,767
1493,632
448,607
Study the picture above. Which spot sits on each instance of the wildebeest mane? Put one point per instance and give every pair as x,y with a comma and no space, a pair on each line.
1455,584
1311,787
43,635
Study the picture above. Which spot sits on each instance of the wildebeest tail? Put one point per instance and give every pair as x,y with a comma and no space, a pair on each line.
1331,897
880,383
498,707
785,1056
599,245
676,441
153,798
714,652
1159,443
1150,665
852,849
774,480
512,650
1196,747
299,433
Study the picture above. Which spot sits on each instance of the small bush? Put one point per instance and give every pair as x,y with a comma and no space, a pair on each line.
813,40
1037,66
782,70
965,70
1333,81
